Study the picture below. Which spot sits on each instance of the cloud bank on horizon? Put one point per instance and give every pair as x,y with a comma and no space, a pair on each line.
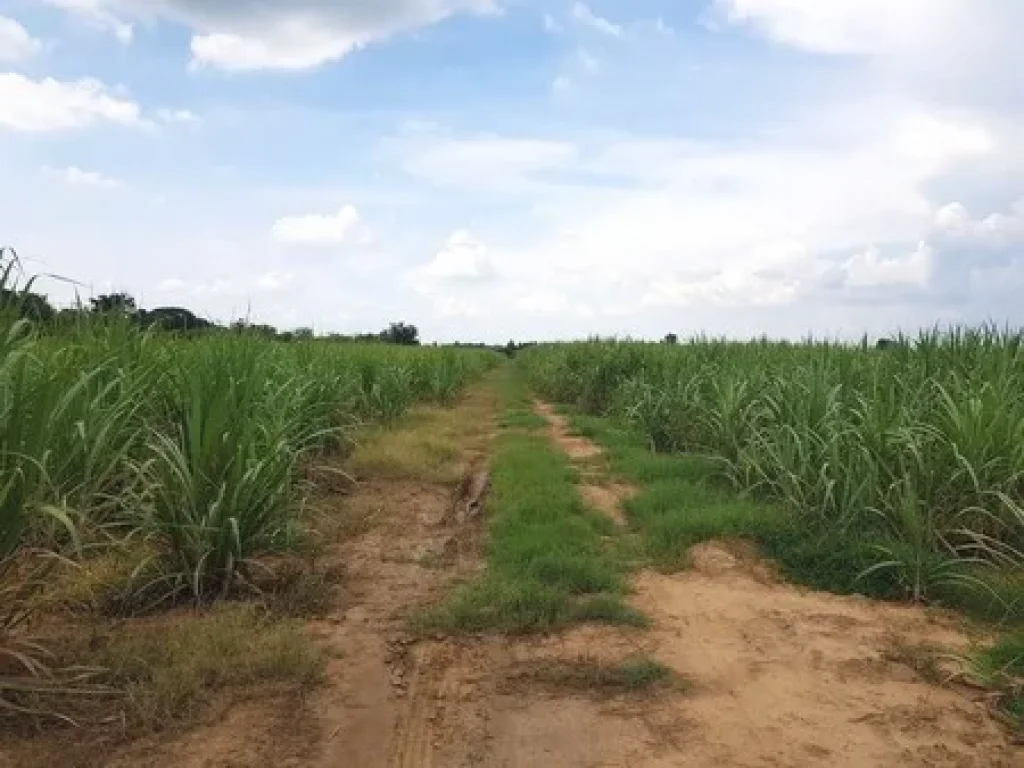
494,169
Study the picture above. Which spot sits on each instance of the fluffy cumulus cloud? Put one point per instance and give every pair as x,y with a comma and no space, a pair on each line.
582,13
871,269
954,221
76,177
318,229
170,285
949,49
843,26
16,44
100,15
53,105
499,163
243,35
462,258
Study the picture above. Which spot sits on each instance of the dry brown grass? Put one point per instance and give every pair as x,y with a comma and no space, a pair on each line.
166,671
431,443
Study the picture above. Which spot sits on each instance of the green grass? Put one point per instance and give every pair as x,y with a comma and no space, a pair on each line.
1002,667
523,419
684,500
549,560
634,675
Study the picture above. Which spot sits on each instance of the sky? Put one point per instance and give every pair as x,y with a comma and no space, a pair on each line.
522,169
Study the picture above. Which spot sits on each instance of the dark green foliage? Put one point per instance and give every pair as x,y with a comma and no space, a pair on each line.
27,305
402,334
173,319
117,303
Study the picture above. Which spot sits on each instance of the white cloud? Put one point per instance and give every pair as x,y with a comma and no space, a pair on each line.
544,303
561,84
16,44
95,13
730,288
774,274
219,286
462,259
752,223
275,280
952,217
955,221
76,177
317,229
949,49
845,26
870,269
447,306
488,162
242,35
551,24
51,105
582,13
297,47
170,285
939,141
587,61
178,116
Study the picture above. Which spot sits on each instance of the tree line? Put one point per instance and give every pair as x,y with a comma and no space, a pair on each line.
35,307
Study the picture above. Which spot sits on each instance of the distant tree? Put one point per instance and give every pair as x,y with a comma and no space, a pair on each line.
400,333
114,303
670,338
244,326
885,344
173,319
303,333
30,306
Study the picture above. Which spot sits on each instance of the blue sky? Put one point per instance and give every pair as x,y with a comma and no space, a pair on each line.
494,169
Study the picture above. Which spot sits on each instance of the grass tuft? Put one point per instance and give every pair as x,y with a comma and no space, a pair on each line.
634,675
522,418
1002,668
170,671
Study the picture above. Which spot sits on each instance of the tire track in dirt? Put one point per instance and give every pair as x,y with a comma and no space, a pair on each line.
785,676
381,707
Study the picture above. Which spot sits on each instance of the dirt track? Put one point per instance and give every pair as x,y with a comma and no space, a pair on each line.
780,676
